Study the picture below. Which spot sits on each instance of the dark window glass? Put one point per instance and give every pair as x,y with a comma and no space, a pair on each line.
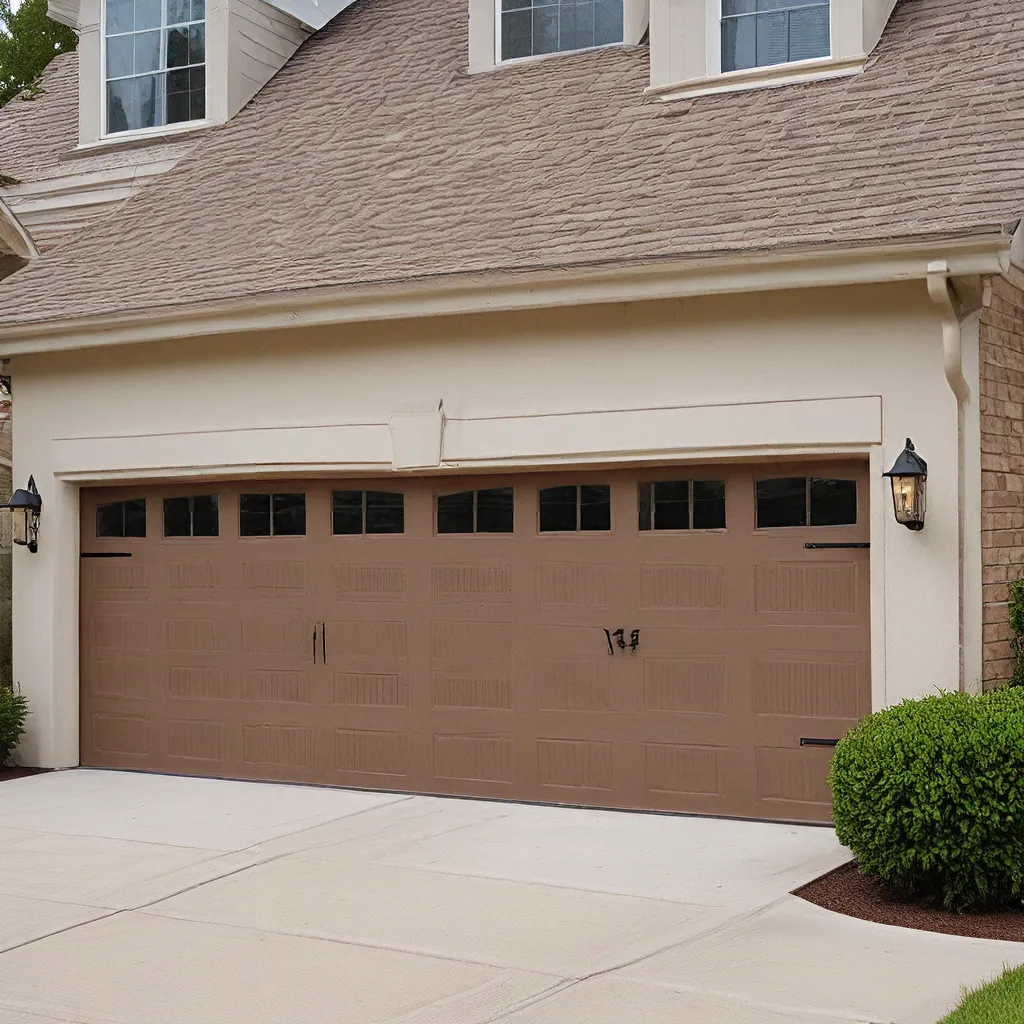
558,509
289,515
177,517
455,512
205,516
121,518
782,502
494,510
385,512
671,505
595,507
644,506
110,520
833,502
254,515
135,517
709,504
347,512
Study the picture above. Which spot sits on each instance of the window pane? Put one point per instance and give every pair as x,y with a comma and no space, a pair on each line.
455,513
147,14
177,517
545,29
596,507
809,33
120,56
135,517
833,502
516,34
709,504
177,47
772,38
558,509
149,101
177,107
289,515
196,44
120,105
197,104
739,44
205,516
672,505
385,512
494,510
178,12
120,16
110,520
782,502
607,22
198,10
347,512
254,515
147,52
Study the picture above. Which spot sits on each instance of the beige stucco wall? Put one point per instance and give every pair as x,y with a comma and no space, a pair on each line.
860,368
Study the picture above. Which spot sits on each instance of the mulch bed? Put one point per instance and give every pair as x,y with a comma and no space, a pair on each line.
846,891
20,773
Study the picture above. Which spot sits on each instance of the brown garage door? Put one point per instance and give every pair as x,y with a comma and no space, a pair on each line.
668,638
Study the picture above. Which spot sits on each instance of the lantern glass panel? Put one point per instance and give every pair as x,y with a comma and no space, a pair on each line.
19,525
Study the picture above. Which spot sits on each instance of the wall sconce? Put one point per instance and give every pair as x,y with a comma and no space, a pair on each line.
25,505
908,476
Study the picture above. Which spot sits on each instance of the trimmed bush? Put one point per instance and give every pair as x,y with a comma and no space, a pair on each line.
13,709
929,796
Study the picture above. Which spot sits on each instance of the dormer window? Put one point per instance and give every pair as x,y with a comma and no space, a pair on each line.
529,28
155,61
761,33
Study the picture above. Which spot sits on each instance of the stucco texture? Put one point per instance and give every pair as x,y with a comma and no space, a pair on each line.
373,156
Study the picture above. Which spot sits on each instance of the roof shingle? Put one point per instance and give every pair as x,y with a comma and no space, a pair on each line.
372,156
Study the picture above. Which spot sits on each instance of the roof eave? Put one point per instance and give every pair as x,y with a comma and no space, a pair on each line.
970,255
14,238
314,13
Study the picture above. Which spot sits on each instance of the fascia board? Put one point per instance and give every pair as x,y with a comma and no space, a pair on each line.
314,13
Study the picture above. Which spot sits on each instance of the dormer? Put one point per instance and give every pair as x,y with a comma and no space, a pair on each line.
153,68
712,46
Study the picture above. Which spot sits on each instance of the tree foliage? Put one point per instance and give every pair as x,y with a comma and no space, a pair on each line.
29,40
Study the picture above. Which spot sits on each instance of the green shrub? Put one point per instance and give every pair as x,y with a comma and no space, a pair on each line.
1015,606
929,796
13,709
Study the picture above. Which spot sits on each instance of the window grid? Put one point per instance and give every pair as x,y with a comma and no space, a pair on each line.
699,497
533,28
390,503
592,508
498,509
187,101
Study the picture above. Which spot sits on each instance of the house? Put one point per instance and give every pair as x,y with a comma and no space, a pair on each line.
495,399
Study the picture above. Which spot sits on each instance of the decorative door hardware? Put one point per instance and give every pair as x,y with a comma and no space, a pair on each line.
315,625
833,545
813,741
618,639
322,626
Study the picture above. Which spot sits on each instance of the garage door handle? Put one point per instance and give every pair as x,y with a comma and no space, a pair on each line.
323,640
314,642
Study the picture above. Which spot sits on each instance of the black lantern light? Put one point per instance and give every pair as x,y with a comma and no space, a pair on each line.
908,476
25,505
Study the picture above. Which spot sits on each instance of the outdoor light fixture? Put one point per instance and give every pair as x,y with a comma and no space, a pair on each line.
25,505
908,476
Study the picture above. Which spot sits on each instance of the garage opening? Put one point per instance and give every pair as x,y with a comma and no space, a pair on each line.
687,638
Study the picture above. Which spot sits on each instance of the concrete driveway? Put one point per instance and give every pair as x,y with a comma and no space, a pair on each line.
141,899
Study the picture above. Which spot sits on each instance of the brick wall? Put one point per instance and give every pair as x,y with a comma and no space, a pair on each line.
1002,465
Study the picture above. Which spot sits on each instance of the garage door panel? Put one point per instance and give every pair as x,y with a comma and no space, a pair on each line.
479,664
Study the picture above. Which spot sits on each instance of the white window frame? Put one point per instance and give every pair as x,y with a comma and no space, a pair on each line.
498,62
714,45
158,129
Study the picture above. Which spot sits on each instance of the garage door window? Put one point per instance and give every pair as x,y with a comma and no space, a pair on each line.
570,509
682,505
121,518
358,512
271,515
196,516
486,511
803,501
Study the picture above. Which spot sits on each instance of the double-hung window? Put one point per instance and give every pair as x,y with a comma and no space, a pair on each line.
155,65
529,28
759,33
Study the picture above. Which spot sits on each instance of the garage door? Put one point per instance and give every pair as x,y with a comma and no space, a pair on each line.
682,638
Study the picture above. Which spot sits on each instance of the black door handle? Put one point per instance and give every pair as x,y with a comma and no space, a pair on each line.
314,642
323,641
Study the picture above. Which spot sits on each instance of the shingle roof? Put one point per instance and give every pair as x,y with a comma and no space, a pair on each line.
373,156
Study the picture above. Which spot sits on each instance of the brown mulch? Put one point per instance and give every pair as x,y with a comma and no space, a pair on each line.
20,773
846,891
